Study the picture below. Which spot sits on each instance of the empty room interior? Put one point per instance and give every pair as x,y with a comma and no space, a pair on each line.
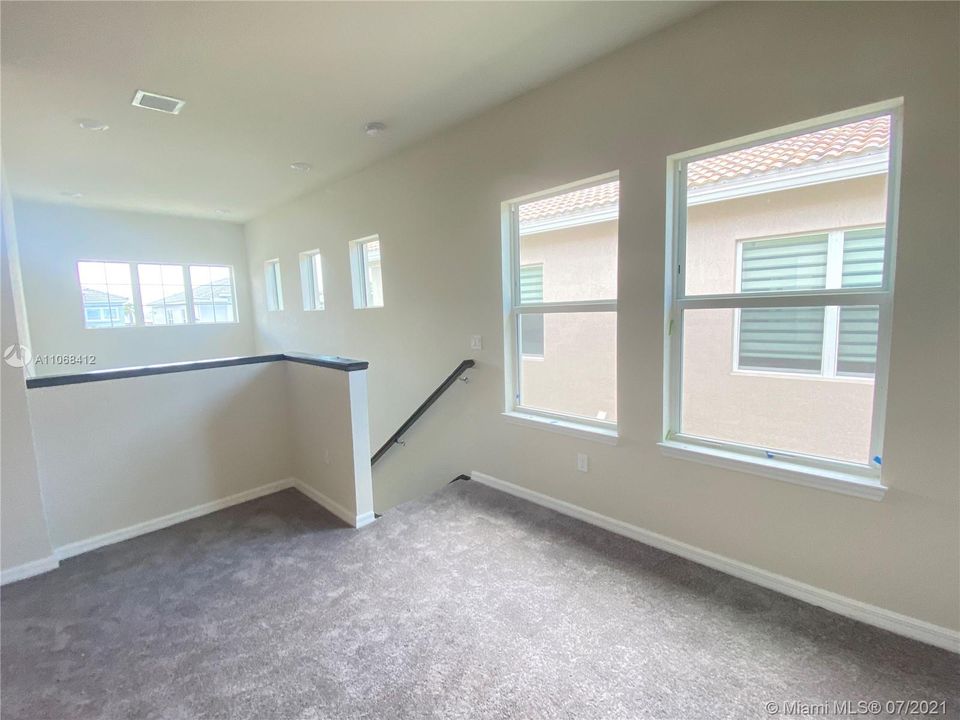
479,360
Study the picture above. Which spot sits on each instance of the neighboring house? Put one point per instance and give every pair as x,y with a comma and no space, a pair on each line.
104,310
802,213
212,302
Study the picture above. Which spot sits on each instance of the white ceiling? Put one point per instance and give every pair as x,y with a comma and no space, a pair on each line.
267,84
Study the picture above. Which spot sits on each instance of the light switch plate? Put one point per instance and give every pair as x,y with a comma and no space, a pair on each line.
476,342
583,462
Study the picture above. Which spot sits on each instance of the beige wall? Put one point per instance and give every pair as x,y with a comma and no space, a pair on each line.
724,73
579,263
23,527
829,417
327,411
117,453
53,238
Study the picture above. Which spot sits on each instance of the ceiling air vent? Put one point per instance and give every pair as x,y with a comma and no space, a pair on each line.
161,103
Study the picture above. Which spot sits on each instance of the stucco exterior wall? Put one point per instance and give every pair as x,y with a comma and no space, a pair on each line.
578,371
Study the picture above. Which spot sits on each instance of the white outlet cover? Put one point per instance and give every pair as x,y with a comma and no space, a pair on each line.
476,342
583,462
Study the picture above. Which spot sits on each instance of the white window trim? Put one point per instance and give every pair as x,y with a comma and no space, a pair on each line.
359,275
138,310
191,317
585,427
187,294
848,478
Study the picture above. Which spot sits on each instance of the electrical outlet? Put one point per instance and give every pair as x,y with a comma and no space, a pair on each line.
583,462
476,342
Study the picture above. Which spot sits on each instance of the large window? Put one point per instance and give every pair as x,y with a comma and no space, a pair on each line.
107,293
560,270
124,294
366,272
780,281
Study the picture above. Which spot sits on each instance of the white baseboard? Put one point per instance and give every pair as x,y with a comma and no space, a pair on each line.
34,567
871,614
352,519
365,519
76,548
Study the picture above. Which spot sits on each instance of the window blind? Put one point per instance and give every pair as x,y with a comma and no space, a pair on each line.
781,338
797,263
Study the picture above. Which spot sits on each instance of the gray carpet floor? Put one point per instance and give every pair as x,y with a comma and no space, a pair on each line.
466,604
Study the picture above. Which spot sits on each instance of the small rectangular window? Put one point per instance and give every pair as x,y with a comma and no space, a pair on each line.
162,294
562,307
212,294
107,293
781,256
366,273
311,280
273,284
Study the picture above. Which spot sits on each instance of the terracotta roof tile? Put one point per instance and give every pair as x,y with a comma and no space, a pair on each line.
865,137
572,203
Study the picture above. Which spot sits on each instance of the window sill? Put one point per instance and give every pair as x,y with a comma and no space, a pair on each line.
856,379
820,478
564,427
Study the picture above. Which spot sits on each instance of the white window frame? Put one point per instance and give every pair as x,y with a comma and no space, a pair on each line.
844,477
134,290
830,346
273,285
138,308
311,271
191,316
585,427
187,294
358,273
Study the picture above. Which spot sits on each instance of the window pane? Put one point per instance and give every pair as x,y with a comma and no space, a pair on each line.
789,339
117,273
572,238
211,285
577,374
150,274
863,257
531,283
311,280
531,334
317,281
857,345
161,293
372,273
199,275
92,273
108,302
817,416
271,271
798,263
795,190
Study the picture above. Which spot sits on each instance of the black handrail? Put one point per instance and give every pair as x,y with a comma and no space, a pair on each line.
395,438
